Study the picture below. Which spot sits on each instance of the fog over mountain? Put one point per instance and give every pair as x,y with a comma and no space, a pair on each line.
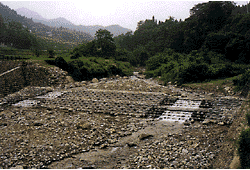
62,22
29,14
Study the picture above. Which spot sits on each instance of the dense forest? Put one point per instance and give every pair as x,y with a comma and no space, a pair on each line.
21,32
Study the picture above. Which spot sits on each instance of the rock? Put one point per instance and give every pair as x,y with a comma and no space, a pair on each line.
144,136
83,125
17,167
184,151
95,80
70,109
103,146
88,167
183,95
38,124
3,124
206,122
221,123
131,144
213,121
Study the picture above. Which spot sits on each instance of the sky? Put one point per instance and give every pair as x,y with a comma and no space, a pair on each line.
109,12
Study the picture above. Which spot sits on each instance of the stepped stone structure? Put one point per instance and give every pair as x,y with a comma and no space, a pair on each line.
158,105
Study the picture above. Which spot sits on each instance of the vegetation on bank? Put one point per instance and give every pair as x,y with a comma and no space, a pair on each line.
89,68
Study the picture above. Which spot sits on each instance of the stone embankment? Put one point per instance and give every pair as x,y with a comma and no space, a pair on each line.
30,74
120,122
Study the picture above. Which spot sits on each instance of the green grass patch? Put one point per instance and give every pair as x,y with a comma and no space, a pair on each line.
212,85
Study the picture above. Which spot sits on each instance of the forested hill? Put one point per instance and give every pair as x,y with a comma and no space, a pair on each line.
214,26
58,35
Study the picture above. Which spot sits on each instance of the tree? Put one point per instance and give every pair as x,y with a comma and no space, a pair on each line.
213,13
51,53
90,49
2,29
105,43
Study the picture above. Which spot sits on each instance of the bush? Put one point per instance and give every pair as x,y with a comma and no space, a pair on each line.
242,81
37,52
51,53
114,70
74,71
75,56
193,73
244,148
61,63
248,118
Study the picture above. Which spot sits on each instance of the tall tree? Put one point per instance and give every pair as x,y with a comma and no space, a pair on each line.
2,29
105,43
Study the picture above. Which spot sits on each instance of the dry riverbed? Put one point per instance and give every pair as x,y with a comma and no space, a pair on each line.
113,123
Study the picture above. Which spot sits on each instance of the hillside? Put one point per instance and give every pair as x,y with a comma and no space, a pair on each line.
62,22
61,36
29,14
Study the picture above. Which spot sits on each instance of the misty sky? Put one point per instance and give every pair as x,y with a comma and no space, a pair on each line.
105,12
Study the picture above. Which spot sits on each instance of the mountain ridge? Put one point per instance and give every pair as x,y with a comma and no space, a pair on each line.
62,22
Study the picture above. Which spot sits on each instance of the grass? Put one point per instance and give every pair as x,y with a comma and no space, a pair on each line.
217,85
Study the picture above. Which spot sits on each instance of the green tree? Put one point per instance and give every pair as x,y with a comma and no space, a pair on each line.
90,49
2,29
51,52
105,43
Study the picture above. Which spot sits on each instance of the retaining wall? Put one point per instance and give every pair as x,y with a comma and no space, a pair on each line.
16,79
11,82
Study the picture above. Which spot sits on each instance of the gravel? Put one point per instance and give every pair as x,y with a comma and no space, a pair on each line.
110,123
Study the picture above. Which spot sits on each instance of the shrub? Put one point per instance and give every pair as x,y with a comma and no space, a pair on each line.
61,63
75,56
248,118
114,70
242,81
37,52
74,71
51,53
244,148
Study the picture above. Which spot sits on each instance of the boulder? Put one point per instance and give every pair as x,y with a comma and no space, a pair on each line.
95,80
221,123
131,144
83,125
206,122
144,136
38,124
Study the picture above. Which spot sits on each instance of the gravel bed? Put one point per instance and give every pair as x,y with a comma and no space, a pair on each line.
111,123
